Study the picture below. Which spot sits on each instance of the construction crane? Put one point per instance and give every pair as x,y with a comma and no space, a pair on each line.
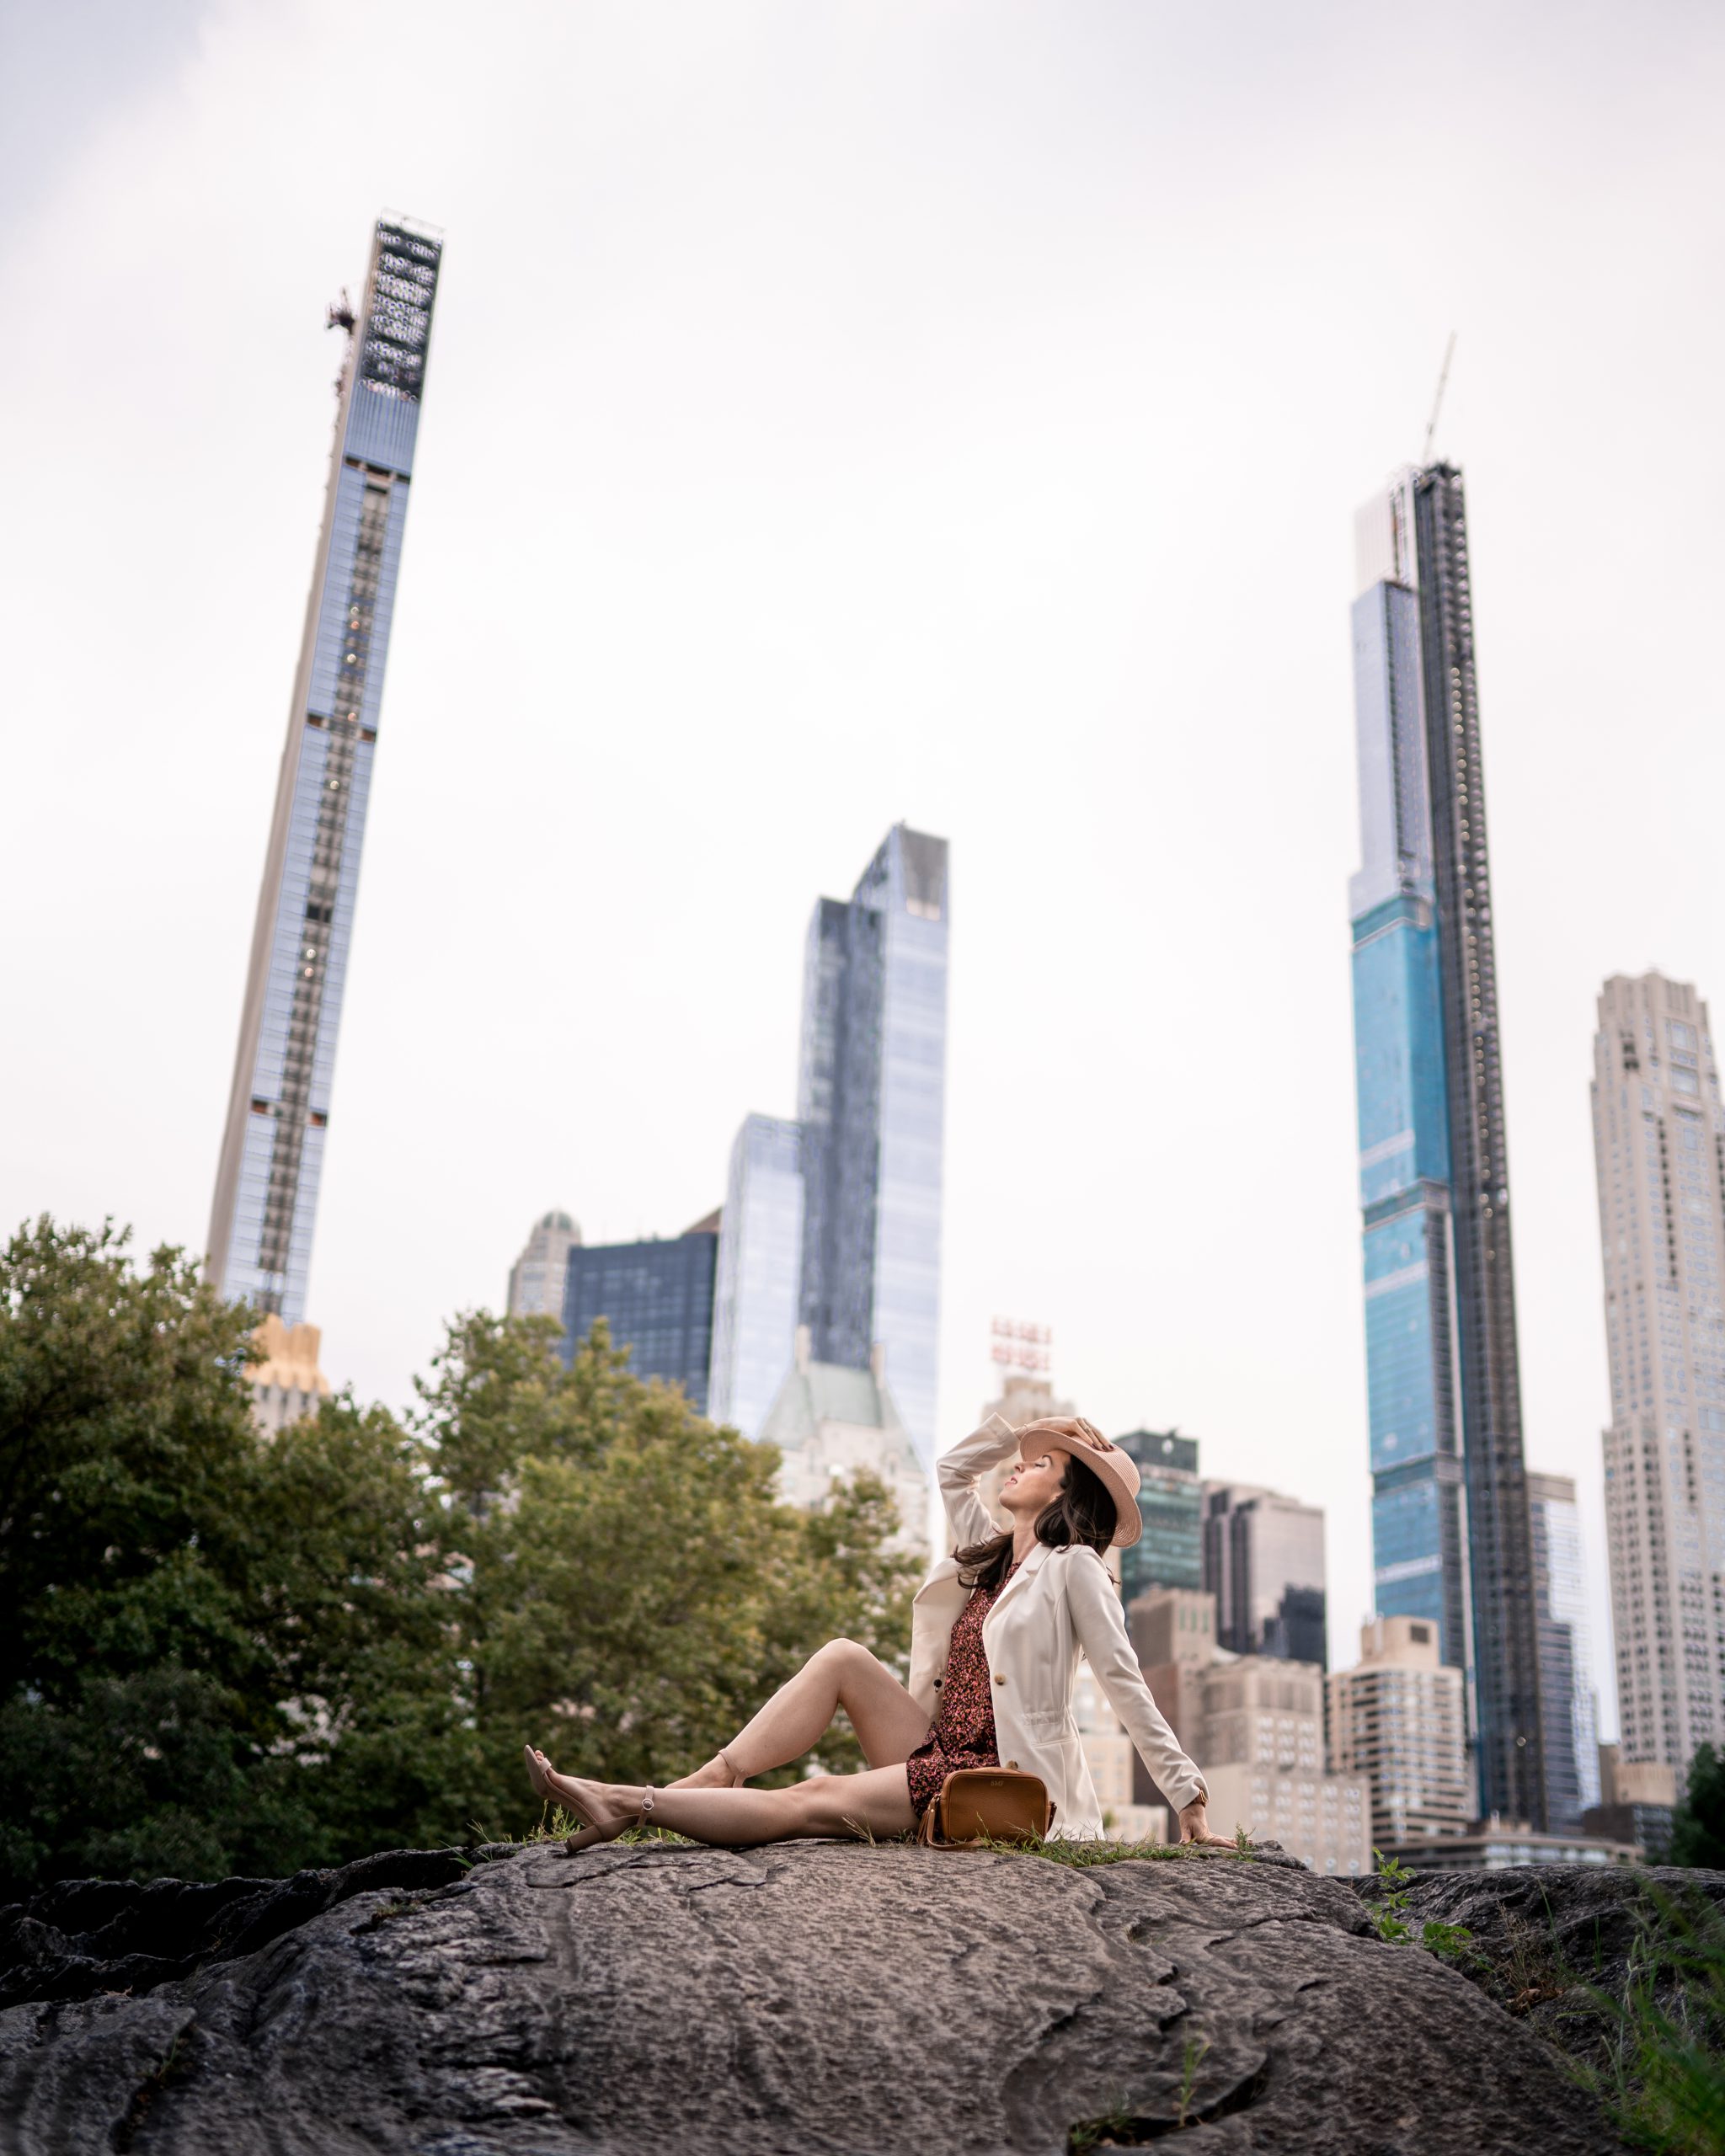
1425,455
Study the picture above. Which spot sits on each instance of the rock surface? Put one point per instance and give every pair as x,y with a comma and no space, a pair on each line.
648,2000
90,1935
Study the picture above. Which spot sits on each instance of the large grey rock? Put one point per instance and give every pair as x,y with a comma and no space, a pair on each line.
90,1935
808,1997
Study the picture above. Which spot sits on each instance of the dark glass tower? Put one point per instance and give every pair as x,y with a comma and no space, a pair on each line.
657,1299
278,1111
1443,1380
1170,1550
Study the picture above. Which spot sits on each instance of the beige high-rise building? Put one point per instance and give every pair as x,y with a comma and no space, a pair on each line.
1173,1632
287,1385
1660,1150
1260,1742
536,1279
1400,1719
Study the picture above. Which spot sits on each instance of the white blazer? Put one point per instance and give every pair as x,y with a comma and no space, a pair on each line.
1058,1604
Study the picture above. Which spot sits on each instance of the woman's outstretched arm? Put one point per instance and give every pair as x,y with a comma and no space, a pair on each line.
1100,1626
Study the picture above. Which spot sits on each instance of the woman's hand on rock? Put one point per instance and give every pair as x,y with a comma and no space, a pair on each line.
1195,1827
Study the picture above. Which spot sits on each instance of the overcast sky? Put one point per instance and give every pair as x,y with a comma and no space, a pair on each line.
836,414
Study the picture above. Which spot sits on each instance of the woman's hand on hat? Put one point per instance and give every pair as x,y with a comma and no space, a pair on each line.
1067,1430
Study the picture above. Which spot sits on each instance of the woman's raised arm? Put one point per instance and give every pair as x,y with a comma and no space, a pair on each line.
961,1471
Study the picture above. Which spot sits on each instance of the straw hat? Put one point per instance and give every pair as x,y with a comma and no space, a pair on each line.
1114,1469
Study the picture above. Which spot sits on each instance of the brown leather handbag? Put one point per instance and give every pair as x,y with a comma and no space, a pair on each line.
979,1805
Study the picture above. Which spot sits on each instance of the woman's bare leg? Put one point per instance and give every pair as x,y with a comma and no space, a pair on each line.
889,1723
840,1807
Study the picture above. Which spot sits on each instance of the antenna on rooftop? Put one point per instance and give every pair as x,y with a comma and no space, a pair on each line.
1437,401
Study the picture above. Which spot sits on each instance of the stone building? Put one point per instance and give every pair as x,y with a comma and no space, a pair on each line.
830,1422
287,1385
537,1277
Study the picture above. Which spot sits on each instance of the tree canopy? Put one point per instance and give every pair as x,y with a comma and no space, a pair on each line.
225,1651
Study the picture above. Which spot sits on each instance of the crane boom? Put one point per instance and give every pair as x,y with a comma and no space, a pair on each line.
1425,455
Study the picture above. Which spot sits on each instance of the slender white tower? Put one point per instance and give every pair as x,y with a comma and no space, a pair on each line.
278,1111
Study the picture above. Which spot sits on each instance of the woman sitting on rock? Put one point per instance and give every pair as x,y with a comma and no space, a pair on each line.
996,1635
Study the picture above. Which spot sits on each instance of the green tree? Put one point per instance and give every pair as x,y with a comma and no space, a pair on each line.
1698,1824
221,1651
202,1632
634,1590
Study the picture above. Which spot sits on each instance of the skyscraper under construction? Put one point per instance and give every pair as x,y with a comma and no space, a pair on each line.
1450,1524
278,1111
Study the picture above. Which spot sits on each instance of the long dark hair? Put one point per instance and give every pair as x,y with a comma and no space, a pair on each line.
1084,1512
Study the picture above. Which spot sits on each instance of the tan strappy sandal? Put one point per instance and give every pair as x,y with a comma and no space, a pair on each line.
585,1838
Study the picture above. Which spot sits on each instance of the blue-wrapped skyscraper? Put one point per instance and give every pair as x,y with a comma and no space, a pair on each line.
1450,1526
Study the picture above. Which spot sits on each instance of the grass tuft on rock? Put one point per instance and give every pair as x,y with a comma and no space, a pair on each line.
1662,2078
1083,1855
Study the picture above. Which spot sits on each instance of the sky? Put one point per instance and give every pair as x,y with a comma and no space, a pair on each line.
951,412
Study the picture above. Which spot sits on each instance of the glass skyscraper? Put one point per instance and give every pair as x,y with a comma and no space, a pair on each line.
1170,1552
278,1113
868,1145
657,1299
1566,1658
760,1273
1451,1531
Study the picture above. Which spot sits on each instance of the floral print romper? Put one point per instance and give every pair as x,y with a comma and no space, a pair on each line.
962,1735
